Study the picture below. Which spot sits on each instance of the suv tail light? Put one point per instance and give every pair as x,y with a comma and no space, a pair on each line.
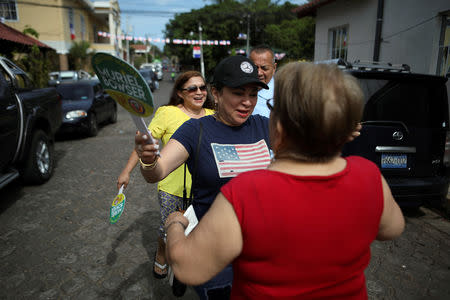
447,150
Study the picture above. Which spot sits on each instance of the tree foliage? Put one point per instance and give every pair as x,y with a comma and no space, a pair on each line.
269,23
79,55
138,60
36,62
30,31
296,37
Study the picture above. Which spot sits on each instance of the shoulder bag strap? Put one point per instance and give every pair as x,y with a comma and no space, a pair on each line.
188,201
184,188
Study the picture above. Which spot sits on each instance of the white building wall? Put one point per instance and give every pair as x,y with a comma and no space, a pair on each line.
61,47
410,31
359,15
111,8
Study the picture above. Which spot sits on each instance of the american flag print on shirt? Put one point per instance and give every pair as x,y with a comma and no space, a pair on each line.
231,160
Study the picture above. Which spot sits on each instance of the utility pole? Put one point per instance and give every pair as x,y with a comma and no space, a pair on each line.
116,23
127,41
248,35
146,52
202,65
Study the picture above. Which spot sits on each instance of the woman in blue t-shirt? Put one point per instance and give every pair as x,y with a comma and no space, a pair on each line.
226,144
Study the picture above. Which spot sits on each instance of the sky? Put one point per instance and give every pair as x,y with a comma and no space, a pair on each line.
148,18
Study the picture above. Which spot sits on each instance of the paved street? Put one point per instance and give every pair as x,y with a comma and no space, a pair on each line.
56,241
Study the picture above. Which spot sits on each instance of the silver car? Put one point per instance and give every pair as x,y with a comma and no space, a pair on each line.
58,77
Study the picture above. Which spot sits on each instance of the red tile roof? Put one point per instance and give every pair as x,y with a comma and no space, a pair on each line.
10,34
310,8
139,47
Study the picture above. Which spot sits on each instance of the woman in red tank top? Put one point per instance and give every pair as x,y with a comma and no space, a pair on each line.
301,229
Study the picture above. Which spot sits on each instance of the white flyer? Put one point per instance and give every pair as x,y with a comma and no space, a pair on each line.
140,125
193,221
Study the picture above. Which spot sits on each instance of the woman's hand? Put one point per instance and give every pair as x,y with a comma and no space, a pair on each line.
145,151
123,179
176,216
174,227
355,133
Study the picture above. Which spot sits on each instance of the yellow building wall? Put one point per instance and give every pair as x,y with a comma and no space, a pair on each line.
50,18
45,16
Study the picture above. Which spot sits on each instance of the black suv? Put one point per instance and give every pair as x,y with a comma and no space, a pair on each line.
405,126
29,118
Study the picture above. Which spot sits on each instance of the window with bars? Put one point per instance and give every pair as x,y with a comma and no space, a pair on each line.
337,41
8,10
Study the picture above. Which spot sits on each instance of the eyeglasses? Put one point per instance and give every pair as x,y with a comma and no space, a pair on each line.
193,88
269,103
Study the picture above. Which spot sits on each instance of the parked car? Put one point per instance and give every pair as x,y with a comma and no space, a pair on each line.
159,72
405,127
156,68
85,105
29,118
150,79
58,77
146,66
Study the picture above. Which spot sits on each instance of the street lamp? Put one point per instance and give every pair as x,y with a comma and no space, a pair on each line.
248,36
202,65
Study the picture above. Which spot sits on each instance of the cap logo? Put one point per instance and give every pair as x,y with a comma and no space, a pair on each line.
246,67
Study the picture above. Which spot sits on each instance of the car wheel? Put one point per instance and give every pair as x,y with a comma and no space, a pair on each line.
113,118
39,162
92,125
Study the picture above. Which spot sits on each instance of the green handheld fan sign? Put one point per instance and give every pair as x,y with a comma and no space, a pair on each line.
124,84
117,207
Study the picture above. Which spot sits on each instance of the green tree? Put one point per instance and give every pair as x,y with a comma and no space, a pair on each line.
79,55
155,53
142,59
218,22
224,20
36,65
296,37
30,31
35,62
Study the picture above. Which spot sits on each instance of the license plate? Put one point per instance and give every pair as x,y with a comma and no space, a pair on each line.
394,161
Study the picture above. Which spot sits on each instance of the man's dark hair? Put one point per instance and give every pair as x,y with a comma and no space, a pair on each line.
263,48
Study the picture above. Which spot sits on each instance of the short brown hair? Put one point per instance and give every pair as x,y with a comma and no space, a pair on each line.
318,107
178,86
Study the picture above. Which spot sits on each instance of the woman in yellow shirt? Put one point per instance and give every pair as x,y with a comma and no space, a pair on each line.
189,99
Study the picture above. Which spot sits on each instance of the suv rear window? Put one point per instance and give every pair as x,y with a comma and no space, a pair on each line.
415,103
75,92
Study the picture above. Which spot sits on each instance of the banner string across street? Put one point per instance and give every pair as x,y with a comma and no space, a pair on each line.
196,50
167,40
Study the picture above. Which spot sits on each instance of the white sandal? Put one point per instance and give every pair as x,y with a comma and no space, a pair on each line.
162,267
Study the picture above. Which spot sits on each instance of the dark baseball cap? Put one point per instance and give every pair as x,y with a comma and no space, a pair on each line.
236,71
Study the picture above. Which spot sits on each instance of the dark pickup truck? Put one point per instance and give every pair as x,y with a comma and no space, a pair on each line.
29,118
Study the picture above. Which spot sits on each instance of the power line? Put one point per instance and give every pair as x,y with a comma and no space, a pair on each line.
384,38
409,28
150,12
124,11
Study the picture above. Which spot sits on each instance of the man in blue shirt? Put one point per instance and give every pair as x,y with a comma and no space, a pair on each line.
264,59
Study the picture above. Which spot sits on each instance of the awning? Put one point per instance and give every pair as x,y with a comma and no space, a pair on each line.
12,35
